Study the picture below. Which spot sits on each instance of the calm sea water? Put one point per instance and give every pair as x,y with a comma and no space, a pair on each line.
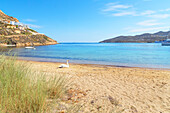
151,55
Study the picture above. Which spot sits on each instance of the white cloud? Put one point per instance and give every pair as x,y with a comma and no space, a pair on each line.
124,14
133,13
149,23
148,29
34,26
112,3
147,12
163,10
163,16
114,7
29,20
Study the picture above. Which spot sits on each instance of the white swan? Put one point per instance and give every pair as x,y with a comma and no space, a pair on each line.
64,65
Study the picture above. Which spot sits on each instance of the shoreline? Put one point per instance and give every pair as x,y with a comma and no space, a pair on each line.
23,44
87,64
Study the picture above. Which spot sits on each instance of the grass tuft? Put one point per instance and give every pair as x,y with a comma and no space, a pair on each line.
25,91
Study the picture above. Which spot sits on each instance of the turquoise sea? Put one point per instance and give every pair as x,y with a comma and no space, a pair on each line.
151,55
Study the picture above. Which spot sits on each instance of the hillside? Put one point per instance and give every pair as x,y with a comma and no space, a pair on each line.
5,17
12,32
143,38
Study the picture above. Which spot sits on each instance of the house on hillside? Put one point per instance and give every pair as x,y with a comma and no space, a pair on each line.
21,27
17,31
10,26
12,22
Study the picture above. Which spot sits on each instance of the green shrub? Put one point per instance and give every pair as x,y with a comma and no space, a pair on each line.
46,38
32,30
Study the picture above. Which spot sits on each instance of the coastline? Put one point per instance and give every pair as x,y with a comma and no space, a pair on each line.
133,89
29,44
59,61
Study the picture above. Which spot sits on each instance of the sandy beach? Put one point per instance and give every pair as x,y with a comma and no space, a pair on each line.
99,88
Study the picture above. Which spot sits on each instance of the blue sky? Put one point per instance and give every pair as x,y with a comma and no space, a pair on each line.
90,20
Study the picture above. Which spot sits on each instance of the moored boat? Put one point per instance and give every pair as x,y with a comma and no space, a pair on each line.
167,41
30,47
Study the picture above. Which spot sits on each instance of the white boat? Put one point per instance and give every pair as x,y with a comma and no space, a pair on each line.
167,41
30,47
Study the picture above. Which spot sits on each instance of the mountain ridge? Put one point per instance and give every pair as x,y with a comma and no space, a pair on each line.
143,38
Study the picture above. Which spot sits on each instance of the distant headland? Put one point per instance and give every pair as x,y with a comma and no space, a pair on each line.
143,38
14,33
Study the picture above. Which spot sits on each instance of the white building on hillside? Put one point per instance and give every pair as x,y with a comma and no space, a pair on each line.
12,22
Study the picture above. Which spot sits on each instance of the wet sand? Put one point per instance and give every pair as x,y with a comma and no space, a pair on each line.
99,88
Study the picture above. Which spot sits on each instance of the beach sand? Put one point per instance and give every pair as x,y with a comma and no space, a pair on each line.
99,88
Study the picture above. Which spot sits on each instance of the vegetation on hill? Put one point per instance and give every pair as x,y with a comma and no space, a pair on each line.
20,35
32,30
23,38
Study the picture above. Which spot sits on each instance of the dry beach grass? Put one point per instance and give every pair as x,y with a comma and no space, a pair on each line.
23,90
97,88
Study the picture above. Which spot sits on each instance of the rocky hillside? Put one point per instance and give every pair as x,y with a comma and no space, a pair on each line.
12,32
143,38
5,17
